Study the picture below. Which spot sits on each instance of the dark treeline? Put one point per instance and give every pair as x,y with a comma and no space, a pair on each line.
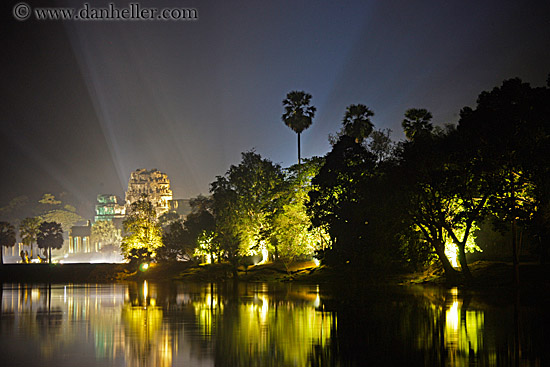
439,185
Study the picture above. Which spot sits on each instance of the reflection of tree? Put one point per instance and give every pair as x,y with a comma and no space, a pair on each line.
251,328
147,341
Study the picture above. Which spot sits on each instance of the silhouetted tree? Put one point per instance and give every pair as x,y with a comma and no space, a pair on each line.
298,113
357,123
7,238
50,236
508,133
417,123
29,229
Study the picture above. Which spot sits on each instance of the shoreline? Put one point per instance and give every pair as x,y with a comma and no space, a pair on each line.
488,275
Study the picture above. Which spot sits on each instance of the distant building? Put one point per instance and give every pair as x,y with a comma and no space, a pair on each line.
79,239
154,184
108,208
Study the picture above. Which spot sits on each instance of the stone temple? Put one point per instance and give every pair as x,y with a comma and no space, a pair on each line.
154,184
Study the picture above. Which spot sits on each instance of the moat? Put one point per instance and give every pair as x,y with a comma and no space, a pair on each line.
260,324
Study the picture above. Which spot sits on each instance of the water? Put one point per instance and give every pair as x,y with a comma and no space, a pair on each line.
145,324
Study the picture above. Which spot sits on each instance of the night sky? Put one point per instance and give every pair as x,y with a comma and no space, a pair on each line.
85,103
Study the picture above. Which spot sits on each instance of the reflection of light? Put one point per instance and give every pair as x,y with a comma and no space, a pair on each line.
452,319
264,309
145,290
317,301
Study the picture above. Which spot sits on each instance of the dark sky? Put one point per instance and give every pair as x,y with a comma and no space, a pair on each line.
85,103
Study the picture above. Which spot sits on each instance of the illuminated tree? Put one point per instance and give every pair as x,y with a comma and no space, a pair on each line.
291,233
244,199
298,113
143,233
29,229
50,236
7,238
357,123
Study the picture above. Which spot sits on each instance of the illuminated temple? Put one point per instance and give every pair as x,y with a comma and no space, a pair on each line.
109,208
154,184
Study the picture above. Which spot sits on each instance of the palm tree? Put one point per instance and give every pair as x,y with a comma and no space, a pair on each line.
357,123
7,238
50,236
29,229
417,123
298,113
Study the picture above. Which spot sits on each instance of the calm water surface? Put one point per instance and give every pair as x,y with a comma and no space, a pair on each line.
147,324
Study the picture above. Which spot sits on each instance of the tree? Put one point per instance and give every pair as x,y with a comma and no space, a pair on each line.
105,234
177,244
380,144
143,233
200,226
244,198
29,229
337,200
50,236
165,219
417,123
7,238
291,233
357,123
445,195
53,210
298,113
508,134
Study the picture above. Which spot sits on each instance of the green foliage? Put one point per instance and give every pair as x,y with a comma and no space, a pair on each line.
143,232
291,233
244,200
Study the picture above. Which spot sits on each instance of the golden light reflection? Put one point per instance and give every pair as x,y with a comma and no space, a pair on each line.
463,330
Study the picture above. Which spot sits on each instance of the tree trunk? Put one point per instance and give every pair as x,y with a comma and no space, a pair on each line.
299,157
49,255
451,274
463,262
515,254
515,257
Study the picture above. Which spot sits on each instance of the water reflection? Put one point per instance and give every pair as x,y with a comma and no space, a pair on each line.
147,324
